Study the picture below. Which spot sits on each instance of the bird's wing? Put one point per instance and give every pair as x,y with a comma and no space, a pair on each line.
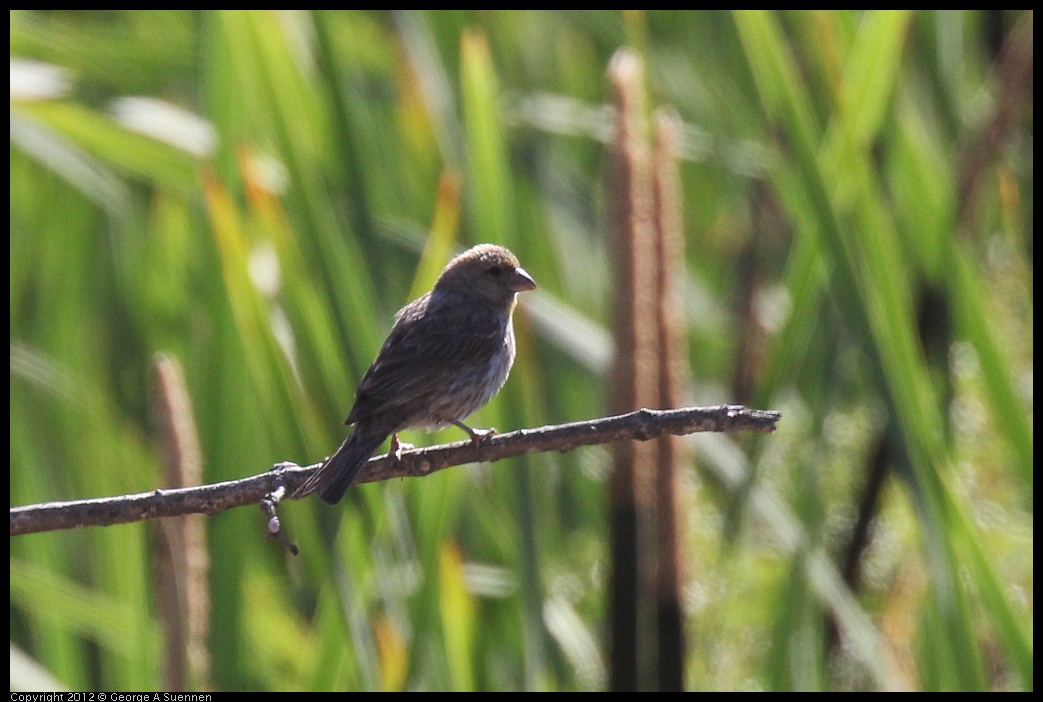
427,348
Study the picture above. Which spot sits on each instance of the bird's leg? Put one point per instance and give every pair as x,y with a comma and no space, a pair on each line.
397,447
477,435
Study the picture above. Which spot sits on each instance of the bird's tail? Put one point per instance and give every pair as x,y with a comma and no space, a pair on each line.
339,471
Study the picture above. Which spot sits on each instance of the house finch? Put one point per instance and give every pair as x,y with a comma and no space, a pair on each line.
448,353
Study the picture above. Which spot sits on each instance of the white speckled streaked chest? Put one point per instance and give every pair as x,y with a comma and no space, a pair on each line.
470,391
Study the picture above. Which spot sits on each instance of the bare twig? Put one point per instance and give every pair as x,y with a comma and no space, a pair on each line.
641,425
268,505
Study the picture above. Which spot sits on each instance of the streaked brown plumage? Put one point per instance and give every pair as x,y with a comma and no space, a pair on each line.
448,353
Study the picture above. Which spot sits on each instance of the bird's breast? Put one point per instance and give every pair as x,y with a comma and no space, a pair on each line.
473,386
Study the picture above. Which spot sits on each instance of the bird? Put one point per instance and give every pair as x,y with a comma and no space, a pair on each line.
447,354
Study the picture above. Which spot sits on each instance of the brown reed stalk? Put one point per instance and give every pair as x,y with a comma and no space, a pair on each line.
673,378
635,380
183,563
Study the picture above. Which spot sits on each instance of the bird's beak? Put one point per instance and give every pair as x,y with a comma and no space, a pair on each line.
521,281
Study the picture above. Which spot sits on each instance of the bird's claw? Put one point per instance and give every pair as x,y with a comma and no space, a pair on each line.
477,435
397,447
480,435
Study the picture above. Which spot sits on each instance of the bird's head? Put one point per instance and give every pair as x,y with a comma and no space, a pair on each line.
488,272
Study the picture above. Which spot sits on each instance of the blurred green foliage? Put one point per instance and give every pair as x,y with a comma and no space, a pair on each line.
256,193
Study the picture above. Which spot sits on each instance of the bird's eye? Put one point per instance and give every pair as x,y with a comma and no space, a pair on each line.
496,271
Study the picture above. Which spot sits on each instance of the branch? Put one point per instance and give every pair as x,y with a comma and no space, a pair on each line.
641,425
